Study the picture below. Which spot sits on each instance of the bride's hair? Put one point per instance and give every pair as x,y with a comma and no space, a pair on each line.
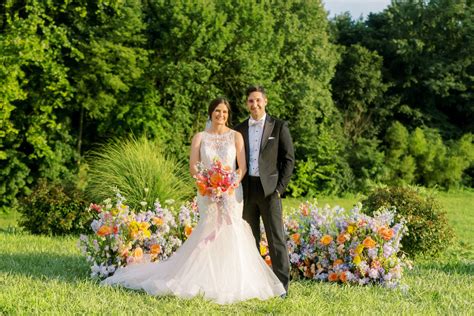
213,105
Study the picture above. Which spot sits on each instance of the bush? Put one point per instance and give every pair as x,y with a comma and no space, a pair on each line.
54,209
428,228
140,170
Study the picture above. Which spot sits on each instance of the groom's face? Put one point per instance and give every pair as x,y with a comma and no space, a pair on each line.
256,103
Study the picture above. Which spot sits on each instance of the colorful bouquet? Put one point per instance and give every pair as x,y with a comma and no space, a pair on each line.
349,247
216,181
324,244
121,236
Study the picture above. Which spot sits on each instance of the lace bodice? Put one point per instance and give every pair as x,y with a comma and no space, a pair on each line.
218,146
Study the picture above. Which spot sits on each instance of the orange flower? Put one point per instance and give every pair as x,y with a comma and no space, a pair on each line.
157,221
137,253
268,260
202,188
385,233
368,242
304,210
216,179
104,230
188,230
343,277
155,249
337,262
375,264
341,238
296,238
333,277
326,240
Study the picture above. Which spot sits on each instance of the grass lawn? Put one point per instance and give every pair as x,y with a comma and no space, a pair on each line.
41,275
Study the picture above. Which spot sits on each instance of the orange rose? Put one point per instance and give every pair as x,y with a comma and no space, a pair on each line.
104,230
385,233
337,262
188,230
155,249
326,240
268,260
296,238
137,253
216,179
333,277
369,242
343,277
341,238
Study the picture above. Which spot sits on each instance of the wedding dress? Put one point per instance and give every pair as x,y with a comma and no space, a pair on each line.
219,260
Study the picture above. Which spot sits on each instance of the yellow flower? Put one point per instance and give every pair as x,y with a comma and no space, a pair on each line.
144,226
263,250
146,233
359,249
357,260
351,228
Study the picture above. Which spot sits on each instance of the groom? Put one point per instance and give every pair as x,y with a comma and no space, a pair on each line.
270,162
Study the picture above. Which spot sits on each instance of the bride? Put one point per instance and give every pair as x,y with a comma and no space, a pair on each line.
219,260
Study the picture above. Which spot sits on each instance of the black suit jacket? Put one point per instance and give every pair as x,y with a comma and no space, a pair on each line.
276,160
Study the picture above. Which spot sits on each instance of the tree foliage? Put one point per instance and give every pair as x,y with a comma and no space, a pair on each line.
75,74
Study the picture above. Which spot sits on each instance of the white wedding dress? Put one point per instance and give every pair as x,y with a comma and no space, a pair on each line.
219,260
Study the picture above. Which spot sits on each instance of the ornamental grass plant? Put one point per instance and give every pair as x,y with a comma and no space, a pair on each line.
140,169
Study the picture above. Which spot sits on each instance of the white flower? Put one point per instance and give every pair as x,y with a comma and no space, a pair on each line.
146,190
143,203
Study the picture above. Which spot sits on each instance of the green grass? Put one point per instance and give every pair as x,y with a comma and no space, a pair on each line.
48,275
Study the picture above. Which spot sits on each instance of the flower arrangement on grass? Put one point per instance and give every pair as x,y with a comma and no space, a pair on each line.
324,244
122,236
349,247
216,181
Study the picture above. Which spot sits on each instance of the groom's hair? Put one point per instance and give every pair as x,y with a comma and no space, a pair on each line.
213,105
256,88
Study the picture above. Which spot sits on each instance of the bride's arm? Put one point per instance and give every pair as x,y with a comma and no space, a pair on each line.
240,149
194,157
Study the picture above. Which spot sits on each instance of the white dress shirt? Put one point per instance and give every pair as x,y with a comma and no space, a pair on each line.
255,139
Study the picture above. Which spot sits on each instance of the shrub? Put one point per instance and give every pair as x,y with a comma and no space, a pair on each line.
54,209
428,228
140,170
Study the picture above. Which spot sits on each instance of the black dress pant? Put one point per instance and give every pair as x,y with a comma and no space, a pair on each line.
271,211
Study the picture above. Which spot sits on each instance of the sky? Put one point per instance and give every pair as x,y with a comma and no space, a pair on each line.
355,7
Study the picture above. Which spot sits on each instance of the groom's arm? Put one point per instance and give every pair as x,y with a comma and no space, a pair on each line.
286,158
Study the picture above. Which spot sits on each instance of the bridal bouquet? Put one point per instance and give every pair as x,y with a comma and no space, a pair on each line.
216,181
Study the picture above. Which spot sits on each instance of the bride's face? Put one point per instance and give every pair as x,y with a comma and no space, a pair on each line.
220,114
